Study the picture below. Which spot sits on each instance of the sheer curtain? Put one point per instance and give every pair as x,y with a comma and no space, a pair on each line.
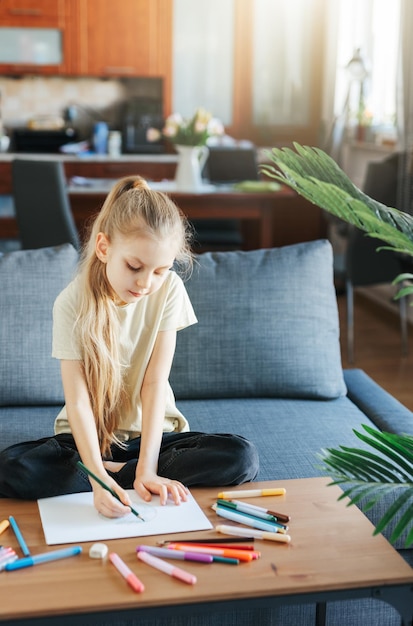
373,28
203,57
405,107
282,34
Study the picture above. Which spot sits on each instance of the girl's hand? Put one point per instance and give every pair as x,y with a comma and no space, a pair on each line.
106,504
149,483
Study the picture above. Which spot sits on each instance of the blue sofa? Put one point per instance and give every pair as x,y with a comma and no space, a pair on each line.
263,361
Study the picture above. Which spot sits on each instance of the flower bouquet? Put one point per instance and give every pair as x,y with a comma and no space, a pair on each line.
194,131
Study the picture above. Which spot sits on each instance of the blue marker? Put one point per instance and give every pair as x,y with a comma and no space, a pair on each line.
43,558
19,536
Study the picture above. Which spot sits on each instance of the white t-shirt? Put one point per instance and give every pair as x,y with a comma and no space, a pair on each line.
168,308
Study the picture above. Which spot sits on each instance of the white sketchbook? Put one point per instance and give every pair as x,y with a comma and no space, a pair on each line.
74,519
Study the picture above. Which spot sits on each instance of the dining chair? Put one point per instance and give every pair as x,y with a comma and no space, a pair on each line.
217,235
43,213
364,264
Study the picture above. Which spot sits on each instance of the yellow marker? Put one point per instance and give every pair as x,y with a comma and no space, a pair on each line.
4,525
252,493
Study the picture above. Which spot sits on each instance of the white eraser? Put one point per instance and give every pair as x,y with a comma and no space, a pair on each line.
98,551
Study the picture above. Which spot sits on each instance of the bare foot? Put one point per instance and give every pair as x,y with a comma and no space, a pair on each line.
112,466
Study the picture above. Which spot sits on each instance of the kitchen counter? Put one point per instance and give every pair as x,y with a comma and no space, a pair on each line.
89,157
155,167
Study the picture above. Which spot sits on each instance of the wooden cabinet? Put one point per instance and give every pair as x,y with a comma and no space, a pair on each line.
96,37
130,38
33,13
36,37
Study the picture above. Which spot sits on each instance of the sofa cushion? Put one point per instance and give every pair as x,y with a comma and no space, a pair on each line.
268,326
30,281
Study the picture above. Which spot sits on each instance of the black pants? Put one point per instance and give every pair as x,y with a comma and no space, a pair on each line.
48,467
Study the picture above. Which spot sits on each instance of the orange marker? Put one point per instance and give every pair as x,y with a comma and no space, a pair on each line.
4,525
241,555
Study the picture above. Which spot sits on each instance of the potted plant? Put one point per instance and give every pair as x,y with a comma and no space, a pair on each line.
385,464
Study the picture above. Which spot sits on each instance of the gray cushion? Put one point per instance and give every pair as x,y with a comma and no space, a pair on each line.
268,326
30,280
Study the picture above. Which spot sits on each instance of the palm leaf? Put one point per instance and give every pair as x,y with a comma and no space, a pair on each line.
317,177
384,467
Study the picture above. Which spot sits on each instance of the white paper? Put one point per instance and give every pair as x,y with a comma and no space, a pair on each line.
74,519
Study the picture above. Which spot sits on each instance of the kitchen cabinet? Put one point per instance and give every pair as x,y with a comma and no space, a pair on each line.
130,38
89,38
36,37
32,13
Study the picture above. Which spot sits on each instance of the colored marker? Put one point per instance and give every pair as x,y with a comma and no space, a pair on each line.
189,556
280,517
228,504
248,520
236,531
167,568
7,555
229,546
241,555
43,558
207,541
132,580
4,525
19,536
252,493
176,554
257,511
225,559
105,486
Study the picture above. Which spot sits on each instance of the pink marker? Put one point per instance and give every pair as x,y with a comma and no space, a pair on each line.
132,580
6,552
163,566
7,555
176,554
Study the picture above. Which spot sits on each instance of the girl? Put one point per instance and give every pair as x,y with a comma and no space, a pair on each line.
114,331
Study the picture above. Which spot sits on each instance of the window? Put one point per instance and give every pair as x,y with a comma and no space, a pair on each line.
255,64
259,65
373,27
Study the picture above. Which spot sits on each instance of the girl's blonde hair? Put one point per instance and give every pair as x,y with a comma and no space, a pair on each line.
130,209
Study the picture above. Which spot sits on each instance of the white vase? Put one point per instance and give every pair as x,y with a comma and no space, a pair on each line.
188,176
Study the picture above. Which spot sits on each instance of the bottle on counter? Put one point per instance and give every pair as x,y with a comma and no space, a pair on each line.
115,143
100,137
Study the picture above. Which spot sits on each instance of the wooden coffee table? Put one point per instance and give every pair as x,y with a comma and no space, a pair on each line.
332,556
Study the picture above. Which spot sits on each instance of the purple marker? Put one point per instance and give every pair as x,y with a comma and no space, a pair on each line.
176,554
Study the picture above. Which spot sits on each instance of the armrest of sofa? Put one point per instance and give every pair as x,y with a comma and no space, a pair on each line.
387,413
